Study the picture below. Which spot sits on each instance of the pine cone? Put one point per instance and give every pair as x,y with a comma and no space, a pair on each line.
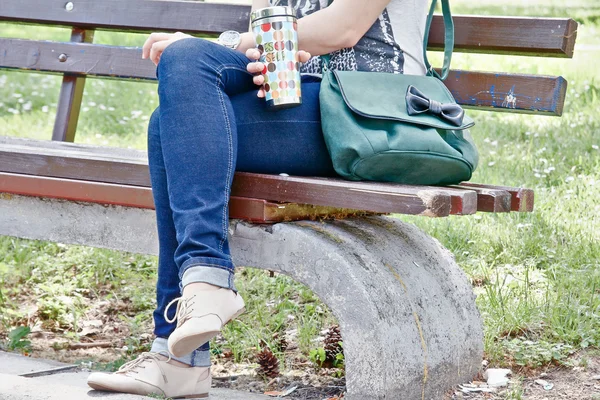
332,343
279,341
268,363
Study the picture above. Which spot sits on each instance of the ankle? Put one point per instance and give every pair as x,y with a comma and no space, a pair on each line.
179,364
202,286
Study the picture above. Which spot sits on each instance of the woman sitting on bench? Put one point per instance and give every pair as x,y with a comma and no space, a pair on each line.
210,123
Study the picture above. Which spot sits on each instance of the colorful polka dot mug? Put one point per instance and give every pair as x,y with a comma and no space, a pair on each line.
276,33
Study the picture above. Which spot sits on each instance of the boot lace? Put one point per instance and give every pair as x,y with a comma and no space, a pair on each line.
184,310
133,365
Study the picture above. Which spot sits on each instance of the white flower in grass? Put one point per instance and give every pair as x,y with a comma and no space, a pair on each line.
102,107
91,104
17,95
98,135
595,146
491,163
27,106
569,179
45,109
111,109
85,109
13,111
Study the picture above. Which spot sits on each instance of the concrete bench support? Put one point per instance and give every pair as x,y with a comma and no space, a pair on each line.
406,310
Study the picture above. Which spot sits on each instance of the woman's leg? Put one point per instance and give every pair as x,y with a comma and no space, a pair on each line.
194,146
168,283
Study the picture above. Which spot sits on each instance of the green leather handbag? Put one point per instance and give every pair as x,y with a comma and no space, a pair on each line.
397,128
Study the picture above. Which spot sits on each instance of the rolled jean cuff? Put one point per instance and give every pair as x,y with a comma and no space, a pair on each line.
215,275
197,358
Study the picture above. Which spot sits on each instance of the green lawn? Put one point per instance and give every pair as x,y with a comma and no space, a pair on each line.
536,275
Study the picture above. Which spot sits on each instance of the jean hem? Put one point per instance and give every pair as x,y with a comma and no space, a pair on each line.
197,358
212,274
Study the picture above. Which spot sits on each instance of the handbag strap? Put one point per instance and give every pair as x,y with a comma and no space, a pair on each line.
448,40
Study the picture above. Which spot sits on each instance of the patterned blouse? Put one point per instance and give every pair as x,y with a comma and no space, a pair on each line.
393,44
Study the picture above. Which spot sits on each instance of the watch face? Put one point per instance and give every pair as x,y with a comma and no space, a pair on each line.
229,38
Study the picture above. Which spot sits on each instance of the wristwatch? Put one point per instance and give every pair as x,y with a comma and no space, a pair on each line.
230,39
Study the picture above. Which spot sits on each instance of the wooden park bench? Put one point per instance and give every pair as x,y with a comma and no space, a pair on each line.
407,312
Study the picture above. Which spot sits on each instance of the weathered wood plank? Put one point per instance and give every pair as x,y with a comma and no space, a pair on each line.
491,199
554,37
548,37
522,199
481,90
526,94
135,15
71,94
63,160
254,210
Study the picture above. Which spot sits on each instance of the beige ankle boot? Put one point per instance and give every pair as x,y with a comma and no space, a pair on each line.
201,315
155,374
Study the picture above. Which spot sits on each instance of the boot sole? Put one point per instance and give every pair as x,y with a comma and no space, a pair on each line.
107,389
190,343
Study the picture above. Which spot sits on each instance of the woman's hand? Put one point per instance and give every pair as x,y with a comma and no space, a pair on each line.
158,42
258,68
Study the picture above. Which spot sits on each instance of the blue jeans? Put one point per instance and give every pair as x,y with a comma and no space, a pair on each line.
209,124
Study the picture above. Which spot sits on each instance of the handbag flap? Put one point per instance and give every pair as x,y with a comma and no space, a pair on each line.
382,95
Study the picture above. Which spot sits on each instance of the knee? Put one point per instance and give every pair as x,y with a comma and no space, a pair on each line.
181,56
153,124
153,131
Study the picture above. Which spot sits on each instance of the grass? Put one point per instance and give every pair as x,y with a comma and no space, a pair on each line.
536,275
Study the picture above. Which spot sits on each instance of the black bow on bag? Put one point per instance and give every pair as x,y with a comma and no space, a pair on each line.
418,103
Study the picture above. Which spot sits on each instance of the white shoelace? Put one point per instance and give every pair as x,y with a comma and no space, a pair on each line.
132,365
184,310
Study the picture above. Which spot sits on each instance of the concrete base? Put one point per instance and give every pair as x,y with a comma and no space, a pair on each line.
406,310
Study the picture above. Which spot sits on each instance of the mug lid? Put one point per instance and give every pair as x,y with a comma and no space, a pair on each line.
279,11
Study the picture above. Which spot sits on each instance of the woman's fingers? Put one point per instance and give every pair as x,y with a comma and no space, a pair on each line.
303,56
255,68
153,38
157,42
158,48
258,68
253,54
258,80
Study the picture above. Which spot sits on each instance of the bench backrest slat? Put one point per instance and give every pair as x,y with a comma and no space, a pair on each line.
125,15
505,92
548,37
553,37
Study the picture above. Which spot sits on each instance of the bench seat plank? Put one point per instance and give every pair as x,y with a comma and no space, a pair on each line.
481,90
522,199
491,198
129,167
68,161
253,210
551,37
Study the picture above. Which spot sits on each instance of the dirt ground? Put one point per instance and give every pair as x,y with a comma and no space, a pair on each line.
103,343
576,383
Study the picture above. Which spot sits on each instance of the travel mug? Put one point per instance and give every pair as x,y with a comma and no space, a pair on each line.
276,33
